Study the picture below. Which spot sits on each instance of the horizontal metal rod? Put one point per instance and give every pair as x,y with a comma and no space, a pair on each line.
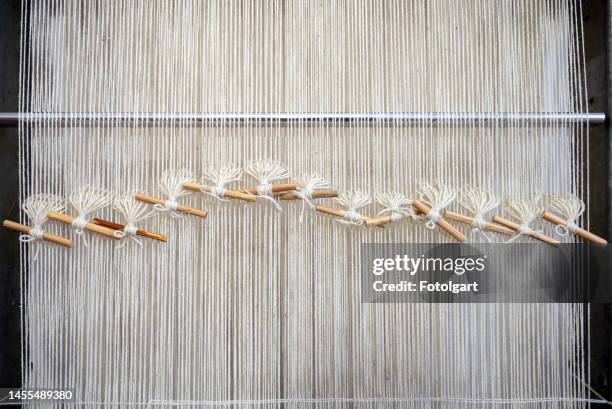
201,118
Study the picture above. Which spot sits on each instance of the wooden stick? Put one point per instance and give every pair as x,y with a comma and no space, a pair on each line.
46,236
65,218
181,208
470,221
379,221
516,227
585,234
279,188
228,193
317,194
140,232
424,209
338,212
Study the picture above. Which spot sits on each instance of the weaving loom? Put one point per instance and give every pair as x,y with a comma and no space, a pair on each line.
256,307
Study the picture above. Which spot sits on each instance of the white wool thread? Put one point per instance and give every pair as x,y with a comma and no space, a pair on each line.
438,197
397,205
306,185
265,172
132,211
220,178
86,200
351,201
525,212
567,206
478,203
171,185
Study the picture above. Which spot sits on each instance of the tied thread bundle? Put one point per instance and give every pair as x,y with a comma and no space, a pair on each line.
265,172
37,208
171,185
86,200
133,212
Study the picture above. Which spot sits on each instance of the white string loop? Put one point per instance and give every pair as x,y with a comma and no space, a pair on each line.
571,227
432,216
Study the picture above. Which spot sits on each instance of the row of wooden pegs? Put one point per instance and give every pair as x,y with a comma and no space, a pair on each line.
429,206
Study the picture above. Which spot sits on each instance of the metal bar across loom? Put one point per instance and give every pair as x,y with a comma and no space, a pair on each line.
99,118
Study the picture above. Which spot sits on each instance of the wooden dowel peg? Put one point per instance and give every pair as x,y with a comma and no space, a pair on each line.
379,221
65,218
181,208
491,227
516,227
278,188
585,234
45,236
338,212
228,193
443,224
139,232
317,194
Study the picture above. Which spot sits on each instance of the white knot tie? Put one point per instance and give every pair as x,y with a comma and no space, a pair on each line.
217,191
479,223
397,213
396,217
170,206
79,223
79,226
351,217
433,216
478,226
571,227
131,230
523,230
264,191
36,233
